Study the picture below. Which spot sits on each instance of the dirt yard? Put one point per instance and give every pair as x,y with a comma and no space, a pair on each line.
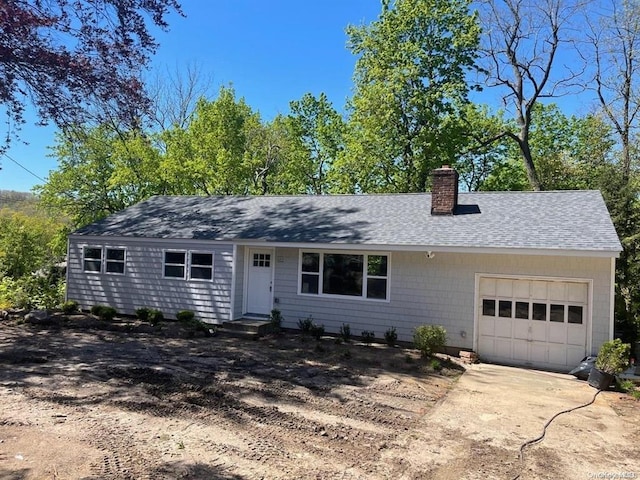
81,400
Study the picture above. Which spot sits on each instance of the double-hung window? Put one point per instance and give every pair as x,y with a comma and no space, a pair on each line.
188,265
175,264
92,259
115,260
104,260
349,274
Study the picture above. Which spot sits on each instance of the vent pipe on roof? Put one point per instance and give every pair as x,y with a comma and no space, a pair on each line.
444,191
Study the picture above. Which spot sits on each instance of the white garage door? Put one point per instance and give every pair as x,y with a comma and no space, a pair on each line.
532,322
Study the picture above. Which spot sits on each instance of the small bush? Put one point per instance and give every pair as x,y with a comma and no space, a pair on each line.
143,313
345,332
276,320
429,339
305,324
185,316
155,316
626,386
390,336
368,336
435,364
69,307
317,331
104,312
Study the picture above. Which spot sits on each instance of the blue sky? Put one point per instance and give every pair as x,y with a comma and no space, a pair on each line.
271,51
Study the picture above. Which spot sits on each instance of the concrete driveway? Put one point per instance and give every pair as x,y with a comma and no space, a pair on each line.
477,431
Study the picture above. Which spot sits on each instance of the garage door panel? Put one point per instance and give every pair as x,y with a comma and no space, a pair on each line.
576,335
487,326
521,329
504,327
558,333
545,325
558,354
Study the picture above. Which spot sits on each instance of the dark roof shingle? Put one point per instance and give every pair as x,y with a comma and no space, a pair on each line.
563,220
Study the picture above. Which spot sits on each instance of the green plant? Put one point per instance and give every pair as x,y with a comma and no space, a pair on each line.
429,339
143,313
626,386
390,336
368,336
317,331
155,316
435,364
305,324
69,307
185,316
276,320
613,357
345,332
107,313
636,394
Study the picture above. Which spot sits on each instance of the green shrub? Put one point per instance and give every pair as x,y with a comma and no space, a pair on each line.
317,331
32,291
276,320
185,316
69,307
429,339
107,313
368,336
626,386
435,364
345,332
305,324
390,336
613,356
143,313
96,310
155,316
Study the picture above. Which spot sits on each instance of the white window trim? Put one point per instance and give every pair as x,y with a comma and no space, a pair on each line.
191,264
365,276
185,264
106,260
188,264
84,258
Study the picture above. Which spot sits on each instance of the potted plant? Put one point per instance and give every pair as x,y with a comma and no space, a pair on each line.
612,359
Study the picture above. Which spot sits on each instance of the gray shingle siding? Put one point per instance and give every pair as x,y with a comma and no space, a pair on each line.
143,284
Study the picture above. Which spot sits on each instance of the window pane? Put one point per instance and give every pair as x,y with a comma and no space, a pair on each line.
173,271
342,274
377,265
201,273
377,288
557,313
489,308
115,267
174,257
310,262
540,311
504,308
115,254
522,309
202,259
575,314
93,253
92,265
309,283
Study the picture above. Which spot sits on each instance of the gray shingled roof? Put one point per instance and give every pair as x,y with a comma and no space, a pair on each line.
566,220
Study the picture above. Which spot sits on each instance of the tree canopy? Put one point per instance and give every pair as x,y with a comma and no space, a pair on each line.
76,60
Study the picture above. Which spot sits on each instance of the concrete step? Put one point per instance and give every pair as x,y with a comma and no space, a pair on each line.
248,325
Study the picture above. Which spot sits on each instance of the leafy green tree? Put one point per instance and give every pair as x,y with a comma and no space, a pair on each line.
410,86
100,171
208,156
317,131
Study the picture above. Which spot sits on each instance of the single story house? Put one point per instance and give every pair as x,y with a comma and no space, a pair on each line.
519,277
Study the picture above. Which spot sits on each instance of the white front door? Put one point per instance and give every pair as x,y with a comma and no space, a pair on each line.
259,278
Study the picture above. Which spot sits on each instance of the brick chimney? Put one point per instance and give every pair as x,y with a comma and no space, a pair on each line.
444,191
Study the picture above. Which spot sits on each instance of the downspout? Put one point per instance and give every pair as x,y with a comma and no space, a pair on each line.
612,298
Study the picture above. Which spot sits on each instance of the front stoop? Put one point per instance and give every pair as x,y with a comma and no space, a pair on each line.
247,327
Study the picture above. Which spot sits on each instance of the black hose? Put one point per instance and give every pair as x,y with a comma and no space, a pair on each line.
544,430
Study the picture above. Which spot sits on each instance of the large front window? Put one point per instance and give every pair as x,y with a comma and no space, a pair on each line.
350,274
